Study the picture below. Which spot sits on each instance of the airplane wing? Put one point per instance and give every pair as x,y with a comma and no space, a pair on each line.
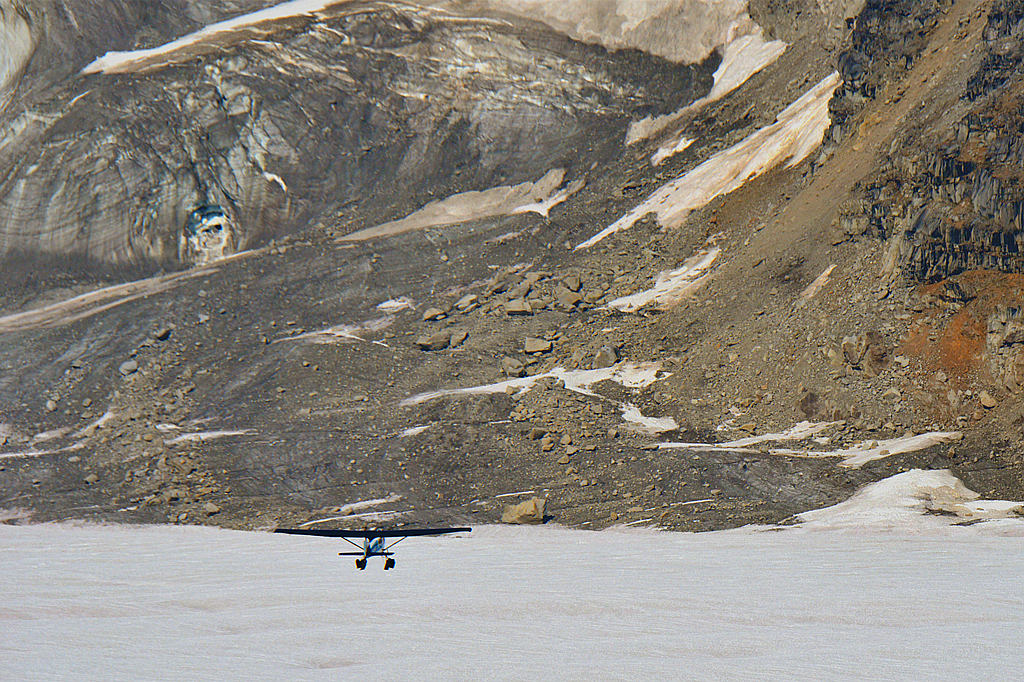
411,532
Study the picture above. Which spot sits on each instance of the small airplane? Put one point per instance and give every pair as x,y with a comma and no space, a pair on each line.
374,541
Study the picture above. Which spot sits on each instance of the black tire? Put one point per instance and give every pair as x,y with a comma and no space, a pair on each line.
361,564
389,563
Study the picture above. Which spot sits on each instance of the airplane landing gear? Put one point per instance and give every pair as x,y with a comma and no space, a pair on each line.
389,563
361,564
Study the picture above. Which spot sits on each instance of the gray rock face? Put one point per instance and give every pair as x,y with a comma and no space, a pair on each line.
130,156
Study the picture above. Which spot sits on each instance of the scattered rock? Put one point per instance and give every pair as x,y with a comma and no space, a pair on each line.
431,314
867,351
606,357
535,345
512,367
564,459
436,341
529,511
458,336
547,443
51,405
572,282
129,367
210,508
163,333
986,400
92,478
467,302
568,299
518,306
537,433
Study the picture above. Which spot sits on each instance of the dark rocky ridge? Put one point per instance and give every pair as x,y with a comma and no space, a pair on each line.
956,204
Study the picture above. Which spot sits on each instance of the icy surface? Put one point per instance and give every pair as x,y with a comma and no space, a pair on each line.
797,132
742,57
203,436
628,374
680,30
799,431
632,414
528,197
916,499
672,286
117,603
344,333
858,455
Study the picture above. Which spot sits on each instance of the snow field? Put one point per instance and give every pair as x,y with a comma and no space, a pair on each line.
128,603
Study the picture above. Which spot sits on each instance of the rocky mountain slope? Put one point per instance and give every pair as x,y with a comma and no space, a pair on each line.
694,264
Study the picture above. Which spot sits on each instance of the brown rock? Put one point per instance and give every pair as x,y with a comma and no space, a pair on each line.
606,357
518,306
433,314
535,345
467,301
457,337
986,400
568,299
512,367
210,508
437,341
529,511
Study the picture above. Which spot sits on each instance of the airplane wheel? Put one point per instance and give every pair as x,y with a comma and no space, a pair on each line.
361,564
389,563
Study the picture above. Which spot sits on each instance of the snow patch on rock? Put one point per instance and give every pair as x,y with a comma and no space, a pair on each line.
797,131
859,455
911,499
671,286
203,436
743,56
801,431
537,197
653,425
626,374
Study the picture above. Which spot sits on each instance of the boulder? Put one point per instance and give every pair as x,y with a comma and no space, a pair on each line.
535,345
567,299
210,508
457,337
436,341
467,302
128,367
529,511
512,367
605,357
518,306
431,314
